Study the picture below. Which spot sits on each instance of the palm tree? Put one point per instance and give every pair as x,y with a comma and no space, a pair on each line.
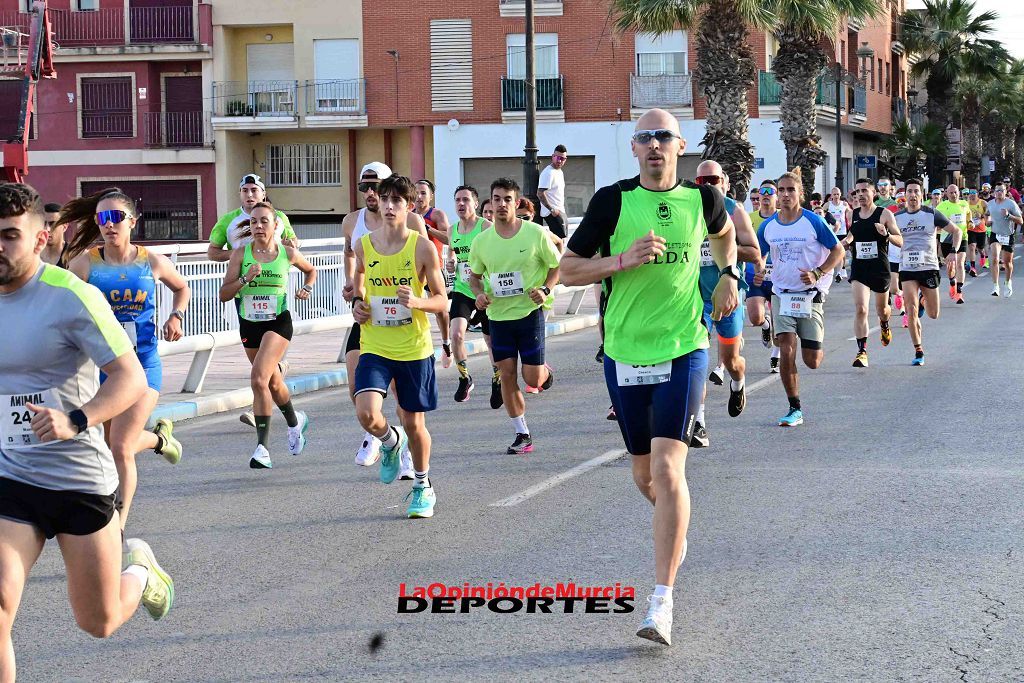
950,40
804,28
967,97
999,105
726,68
910,147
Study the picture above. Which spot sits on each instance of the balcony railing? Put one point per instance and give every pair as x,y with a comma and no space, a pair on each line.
254,98
105,27
548,93
175,130
517,8
664,90
770,91
336,97
860,100
899,109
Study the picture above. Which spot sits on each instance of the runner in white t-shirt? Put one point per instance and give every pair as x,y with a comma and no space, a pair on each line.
842,213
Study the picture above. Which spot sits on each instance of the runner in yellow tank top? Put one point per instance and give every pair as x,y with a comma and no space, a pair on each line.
392,266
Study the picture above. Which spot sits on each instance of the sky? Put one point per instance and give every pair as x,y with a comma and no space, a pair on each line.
1009,27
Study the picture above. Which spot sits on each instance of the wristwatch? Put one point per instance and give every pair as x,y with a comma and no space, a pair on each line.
307,288
732,271
179,314
242,281
546,290
79,419
818,272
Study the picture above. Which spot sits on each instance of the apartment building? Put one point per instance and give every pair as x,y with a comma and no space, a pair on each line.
126,108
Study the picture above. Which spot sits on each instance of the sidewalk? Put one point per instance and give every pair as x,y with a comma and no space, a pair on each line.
313,366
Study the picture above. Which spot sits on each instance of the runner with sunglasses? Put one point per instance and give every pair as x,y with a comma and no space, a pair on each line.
57,476
729,327
958,212
257,275
759,296
127,274
354,227
872,230
804,252
648,231
886,191
1005,218
935,198
438,227
919,267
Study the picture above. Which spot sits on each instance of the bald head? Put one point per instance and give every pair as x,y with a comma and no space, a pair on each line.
658,118
710,167
657,144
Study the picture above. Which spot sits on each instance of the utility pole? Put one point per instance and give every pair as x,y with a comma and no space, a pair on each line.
839,130
531,172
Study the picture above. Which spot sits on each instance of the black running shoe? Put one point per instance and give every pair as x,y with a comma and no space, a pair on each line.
599,357
496,400
522,444
611,413
549,381
465,387
766,337
700,437
737,400
774,363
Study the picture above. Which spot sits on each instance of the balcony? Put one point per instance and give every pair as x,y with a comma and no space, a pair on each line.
770,91
666,90
860,100
255,105
548,94
541,8
336,102
106,27
177,130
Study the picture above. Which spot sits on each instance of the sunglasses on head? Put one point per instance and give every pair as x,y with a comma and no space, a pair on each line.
662,135
708,179
366,186
766,191
111,216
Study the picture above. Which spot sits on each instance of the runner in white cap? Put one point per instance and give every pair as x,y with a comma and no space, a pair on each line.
231,230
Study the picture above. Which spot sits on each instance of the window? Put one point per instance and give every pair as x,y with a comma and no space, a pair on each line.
451,65
309,163
87,5
888,78
336,65
771,48
879,74
661,55
107,107
168,209
545,55
841,57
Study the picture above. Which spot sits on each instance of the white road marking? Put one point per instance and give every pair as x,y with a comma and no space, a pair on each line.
559,478
870,332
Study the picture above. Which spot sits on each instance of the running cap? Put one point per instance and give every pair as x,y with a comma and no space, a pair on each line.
986,186
252,179
381,171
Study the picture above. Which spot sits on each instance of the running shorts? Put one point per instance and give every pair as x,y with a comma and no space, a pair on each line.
55,512
465,307
352,343
894,267
978,239
252,332
415,382
764,290
665,410
811,331
523,338
1006,248
929,279
730,327
874,279
154,369
947,248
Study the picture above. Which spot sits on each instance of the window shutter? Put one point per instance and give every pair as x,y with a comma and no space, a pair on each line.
451,65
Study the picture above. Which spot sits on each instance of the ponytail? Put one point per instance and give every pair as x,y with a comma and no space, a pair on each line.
82,211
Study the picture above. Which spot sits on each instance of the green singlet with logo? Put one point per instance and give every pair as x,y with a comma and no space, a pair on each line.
266,297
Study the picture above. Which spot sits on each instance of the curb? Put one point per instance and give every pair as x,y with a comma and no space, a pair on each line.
303,384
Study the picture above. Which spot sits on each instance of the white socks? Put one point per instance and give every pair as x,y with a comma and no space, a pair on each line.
139,572
776,352
734,385
519,424
389,440
664,592
766,325
700,414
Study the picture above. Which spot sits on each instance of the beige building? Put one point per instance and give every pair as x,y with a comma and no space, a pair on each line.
289,104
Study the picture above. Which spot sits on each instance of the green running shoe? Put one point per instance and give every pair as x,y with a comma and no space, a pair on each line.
422,503
390,461
158,596
172,447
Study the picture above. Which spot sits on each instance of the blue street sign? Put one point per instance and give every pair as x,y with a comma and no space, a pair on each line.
758,162
867,161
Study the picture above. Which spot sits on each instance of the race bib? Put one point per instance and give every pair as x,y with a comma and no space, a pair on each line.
259,307
16,418
507,284
637,375
912,258
867,250
1003,239
705,255
133,337
385,311
796,304
464,271
957,219
768,268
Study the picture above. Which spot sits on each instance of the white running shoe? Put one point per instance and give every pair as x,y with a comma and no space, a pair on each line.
717,375
995,291
369,453
657,625
1009,288
247,418
297,434
406,471
260,459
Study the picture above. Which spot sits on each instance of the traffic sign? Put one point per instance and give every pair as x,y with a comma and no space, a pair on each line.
867,161
758,162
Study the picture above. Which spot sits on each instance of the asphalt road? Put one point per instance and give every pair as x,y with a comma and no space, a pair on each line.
880,541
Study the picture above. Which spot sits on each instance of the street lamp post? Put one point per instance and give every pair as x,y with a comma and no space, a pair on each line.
530,166
841,77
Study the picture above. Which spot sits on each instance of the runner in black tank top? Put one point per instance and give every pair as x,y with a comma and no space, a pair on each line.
868,240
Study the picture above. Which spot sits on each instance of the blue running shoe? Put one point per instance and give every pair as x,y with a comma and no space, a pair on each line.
793,418
422,503
389,457
918,360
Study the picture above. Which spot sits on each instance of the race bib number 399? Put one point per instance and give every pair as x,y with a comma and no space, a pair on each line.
385,311
507,284
913,258
637,375
16,418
